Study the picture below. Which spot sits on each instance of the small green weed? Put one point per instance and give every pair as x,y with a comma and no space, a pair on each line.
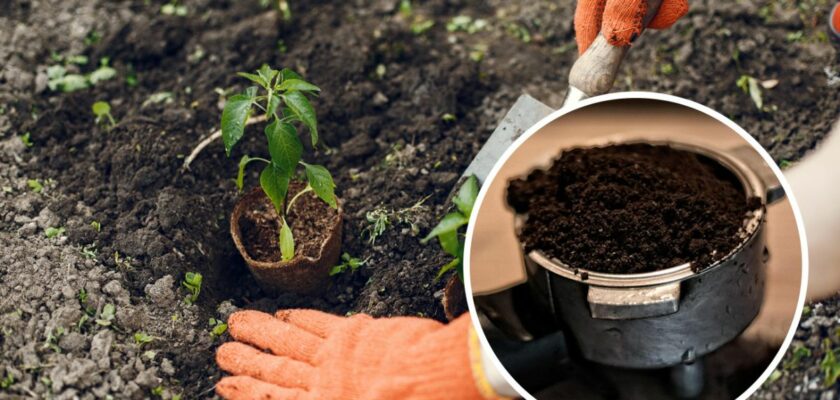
53,232
830,365
26,138
799,352
421,25
102,111
750,86
51,341
174,8
378,221
35,185
59,80
7,381
348,262
217,327
192,282
141,338
465,23
106,317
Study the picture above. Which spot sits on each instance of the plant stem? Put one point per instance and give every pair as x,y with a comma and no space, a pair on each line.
292,201
213,137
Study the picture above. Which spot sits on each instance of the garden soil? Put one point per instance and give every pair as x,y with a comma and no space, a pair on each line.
588,209
389,95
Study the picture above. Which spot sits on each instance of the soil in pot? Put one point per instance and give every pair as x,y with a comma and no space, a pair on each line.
631,209
308,218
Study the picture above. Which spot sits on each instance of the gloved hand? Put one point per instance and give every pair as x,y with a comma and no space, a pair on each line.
314,355
620,21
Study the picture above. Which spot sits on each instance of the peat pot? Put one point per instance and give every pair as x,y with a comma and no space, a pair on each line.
255,226
672,316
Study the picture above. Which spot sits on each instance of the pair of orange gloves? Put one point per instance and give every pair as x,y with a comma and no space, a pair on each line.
309,355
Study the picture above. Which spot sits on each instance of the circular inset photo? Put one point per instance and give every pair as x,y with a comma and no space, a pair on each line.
635,246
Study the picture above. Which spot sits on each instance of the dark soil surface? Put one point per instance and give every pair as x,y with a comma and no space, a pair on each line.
631,209
308,220
386,89
812,359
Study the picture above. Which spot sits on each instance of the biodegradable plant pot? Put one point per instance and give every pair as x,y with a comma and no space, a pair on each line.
454,298
255,227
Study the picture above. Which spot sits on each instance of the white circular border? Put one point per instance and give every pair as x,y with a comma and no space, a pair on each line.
641,96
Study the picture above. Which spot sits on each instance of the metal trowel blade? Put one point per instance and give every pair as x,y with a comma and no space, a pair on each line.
525,113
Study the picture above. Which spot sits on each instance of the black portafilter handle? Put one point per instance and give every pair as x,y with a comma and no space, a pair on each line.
536,364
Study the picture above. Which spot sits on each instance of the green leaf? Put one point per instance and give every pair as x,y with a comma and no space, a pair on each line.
297,84
35,185
755,93
101,108
142,338
157,98
259,80
466,196
287,242
102,73
192,281
450,223
301,108
69,83
322,183
283,145
449,242
52,232
286,74
267,74
275,183
337,269
219,329
448,267
55,72
289,115
234,117
240,176
273,103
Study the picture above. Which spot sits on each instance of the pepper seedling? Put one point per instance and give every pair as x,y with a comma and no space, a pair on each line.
448,230
283,103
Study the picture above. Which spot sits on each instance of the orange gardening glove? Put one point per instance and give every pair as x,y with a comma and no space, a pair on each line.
621,20
309,355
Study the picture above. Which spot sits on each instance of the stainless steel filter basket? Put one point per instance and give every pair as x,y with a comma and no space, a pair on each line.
671,316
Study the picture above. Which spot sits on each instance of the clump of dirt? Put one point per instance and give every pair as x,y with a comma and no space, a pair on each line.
308,218
631,208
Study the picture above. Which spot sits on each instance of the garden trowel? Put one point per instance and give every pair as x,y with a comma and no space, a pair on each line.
592,74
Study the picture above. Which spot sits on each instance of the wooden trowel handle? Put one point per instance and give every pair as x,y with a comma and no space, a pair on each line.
595,70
